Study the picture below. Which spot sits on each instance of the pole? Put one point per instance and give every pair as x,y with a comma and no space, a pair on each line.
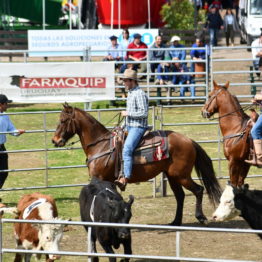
112,14
70,15
43,9
119,14
149,14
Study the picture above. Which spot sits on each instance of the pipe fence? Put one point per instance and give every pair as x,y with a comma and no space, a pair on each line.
177,229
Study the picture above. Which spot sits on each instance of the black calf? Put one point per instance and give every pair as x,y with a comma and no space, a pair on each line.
100,202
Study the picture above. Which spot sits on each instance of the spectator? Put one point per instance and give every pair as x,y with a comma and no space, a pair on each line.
125,42
206,7
156,55
182,79
5,126
230,26
136,55
197,54
217,5
174,54
113,54
214,23
257,54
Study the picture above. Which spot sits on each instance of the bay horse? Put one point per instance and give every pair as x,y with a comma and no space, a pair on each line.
233,124
184,154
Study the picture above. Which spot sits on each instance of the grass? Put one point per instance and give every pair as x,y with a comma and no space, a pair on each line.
67,198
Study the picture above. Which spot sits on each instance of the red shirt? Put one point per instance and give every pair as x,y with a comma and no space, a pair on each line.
137,54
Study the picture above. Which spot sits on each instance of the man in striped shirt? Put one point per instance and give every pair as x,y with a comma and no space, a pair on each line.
136,123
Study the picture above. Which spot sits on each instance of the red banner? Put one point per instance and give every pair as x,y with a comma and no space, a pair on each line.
62,82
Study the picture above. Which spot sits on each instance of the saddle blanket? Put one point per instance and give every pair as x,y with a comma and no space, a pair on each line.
153,147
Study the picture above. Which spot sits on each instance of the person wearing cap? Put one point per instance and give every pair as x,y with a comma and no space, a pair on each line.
114,51
136,123
257,53
136,55
6,125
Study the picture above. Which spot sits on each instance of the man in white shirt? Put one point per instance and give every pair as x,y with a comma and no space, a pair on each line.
6,125
257,53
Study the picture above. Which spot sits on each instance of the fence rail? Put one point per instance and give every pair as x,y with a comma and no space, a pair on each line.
177,229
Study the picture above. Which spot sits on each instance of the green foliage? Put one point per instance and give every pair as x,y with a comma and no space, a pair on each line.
179,14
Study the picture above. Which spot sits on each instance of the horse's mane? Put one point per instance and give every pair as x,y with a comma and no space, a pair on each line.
245,116
93,121
91,118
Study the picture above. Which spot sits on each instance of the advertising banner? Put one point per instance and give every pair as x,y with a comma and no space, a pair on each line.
75,42
57,82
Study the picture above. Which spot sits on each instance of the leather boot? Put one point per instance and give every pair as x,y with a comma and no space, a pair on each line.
257,156
121,183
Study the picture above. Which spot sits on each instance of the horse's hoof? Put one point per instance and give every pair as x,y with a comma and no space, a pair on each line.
203,220
174,223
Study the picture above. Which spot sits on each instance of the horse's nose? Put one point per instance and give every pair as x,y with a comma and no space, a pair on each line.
205,114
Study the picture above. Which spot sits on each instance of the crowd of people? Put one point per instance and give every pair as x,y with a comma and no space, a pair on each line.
168,64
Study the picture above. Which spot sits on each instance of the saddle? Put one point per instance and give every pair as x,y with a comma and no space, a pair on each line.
152,147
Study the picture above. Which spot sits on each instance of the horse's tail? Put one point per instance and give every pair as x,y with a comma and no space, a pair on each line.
205,171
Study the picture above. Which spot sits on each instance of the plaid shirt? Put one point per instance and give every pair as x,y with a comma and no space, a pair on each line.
137,108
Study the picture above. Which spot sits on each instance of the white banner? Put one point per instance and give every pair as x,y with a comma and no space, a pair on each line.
74,42
57,82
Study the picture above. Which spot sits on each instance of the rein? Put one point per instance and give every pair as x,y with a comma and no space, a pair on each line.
244,109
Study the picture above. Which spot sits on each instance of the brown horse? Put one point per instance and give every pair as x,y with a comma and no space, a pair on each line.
233,125
184,155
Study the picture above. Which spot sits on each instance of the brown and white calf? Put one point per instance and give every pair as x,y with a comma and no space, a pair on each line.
37,236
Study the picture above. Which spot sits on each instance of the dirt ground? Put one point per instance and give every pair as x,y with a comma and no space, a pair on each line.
161,210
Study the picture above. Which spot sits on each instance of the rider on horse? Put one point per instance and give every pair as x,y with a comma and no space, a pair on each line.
136,123
256,133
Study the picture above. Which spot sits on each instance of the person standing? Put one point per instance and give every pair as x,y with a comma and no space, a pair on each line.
230,26
136,123
214,23
256,133
6,125
257,54
124,43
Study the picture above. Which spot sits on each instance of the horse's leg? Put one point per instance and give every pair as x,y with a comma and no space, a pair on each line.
197,190
180,196
238,171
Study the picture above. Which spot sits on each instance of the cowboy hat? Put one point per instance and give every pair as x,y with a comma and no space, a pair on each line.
130,74
175,38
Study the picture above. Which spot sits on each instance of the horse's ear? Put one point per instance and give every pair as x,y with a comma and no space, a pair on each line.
214,83
65,105
227,85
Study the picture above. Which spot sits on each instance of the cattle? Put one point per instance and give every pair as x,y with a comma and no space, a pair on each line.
5,210
37,236
241,201
100,202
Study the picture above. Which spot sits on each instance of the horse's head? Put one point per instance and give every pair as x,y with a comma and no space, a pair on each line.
211,106
66,127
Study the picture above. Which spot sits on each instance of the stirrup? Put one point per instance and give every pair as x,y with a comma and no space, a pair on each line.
122,186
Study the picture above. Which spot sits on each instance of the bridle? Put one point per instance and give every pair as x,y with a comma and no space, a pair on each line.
214,96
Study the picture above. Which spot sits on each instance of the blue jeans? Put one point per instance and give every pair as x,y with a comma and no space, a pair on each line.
183,89
132,140
213,36
256,131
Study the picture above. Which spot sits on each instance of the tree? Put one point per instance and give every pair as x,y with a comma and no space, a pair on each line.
178,14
